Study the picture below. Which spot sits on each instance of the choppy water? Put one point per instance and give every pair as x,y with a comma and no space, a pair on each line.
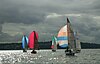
87,56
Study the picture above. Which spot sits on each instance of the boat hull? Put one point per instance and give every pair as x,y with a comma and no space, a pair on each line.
69,52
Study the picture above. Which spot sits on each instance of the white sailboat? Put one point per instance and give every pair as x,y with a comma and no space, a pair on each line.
66,39
78,45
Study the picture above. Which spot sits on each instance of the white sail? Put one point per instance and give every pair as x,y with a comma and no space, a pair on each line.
78,45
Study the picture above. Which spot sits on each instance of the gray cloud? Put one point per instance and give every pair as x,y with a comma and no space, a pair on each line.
48,16
0,28
16,12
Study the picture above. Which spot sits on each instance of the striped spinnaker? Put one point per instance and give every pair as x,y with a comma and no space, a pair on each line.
62,37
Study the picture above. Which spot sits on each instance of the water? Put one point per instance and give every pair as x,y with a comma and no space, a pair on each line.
87,56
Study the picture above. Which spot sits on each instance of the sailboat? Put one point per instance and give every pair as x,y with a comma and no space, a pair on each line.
54,44
24,43
33,41
78,45
66,39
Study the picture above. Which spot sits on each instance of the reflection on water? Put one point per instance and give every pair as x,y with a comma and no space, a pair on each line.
87,56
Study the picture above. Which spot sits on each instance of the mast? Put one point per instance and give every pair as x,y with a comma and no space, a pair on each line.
68,32
36,46
34,40
75,35
25,41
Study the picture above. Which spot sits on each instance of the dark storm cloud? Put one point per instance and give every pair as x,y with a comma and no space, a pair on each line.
34,11
47,16
16,12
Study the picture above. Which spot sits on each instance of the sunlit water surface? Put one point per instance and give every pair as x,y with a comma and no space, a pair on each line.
87,56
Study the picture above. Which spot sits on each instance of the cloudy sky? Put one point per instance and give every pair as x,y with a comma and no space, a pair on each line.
47,17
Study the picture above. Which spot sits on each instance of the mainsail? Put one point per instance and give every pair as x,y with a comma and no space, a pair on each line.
24,43
54,43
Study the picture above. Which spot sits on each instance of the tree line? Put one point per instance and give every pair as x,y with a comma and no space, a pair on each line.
45,45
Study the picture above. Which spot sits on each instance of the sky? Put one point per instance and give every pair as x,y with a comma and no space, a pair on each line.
47,17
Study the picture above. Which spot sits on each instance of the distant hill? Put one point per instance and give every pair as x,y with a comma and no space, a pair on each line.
90,45
45,45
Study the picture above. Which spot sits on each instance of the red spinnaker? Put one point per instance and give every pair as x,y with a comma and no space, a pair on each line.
33,39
